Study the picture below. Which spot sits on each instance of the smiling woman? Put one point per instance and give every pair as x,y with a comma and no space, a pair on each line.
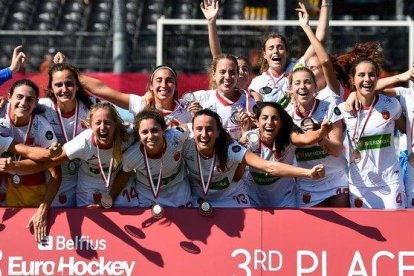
20,120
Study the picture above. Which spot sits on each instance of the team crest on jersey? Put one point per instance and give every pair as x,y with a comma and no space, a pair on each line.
236,148
177,156
337,111
49,135
385,114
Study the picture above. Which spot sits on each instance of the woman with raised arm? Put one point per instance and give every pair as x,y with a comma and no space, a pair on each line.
214,161
308,113
374,172
210,10
321,65
272,84
20,119
156,161
163,92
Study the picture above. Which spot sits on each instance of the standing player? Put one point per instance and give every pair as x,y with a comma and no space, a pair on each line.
374,172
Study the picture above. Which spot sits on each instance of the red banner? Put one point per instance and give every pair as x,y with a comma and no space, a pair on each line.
134,83
230,242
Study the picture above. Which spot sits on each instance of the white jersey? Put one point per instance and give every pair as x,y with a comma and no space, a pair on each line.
91,185
313,191
406,96
215,101
223,191
266,190
375,179
175,190
327,94
175,117
66,196
279,85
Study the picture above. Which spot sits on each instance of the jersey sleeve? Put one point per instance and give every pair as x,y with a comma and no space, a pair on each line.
403,91
44,134
334,113
135,103
5,75
236,152
255,85
78,147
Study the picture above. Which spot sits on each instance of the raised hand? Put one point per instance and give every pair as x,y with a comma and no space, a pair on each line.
210,9
303,15
18,59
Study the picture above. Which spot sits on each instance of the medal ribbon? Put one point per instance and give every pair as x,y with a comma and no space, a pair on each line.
101,171
26,136
314,107
203,183
62,126
275,82
155,190
371,108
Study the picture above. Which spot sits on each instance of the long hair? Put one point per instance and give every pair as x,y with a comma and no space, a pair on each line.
282,140
81,95
26,82
173,73
213,67
343,62
223,140
120,133
263,62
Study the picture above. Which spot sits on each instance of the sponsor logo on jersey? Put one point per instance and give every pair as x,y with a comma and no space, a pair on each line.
375,141
49,135
308,154
236,148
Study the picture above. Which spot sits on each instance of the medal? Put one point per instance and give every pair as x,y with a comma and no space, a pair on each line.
253,138
72,168
361,144
188,98
106,201
308,119
356,156
411,159
235,117
16,179
265,90
205,208
157,211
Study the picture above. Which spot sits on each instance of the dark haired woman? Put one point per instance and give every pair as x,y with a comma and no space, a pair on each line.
214,160
374,172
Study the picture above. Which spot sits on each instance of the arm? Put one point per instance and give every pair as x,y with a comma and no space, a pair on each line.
120,181
332,143
281,169
100,89
39,220
210,10
385,82
322,28
311,136
327,66
36,153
